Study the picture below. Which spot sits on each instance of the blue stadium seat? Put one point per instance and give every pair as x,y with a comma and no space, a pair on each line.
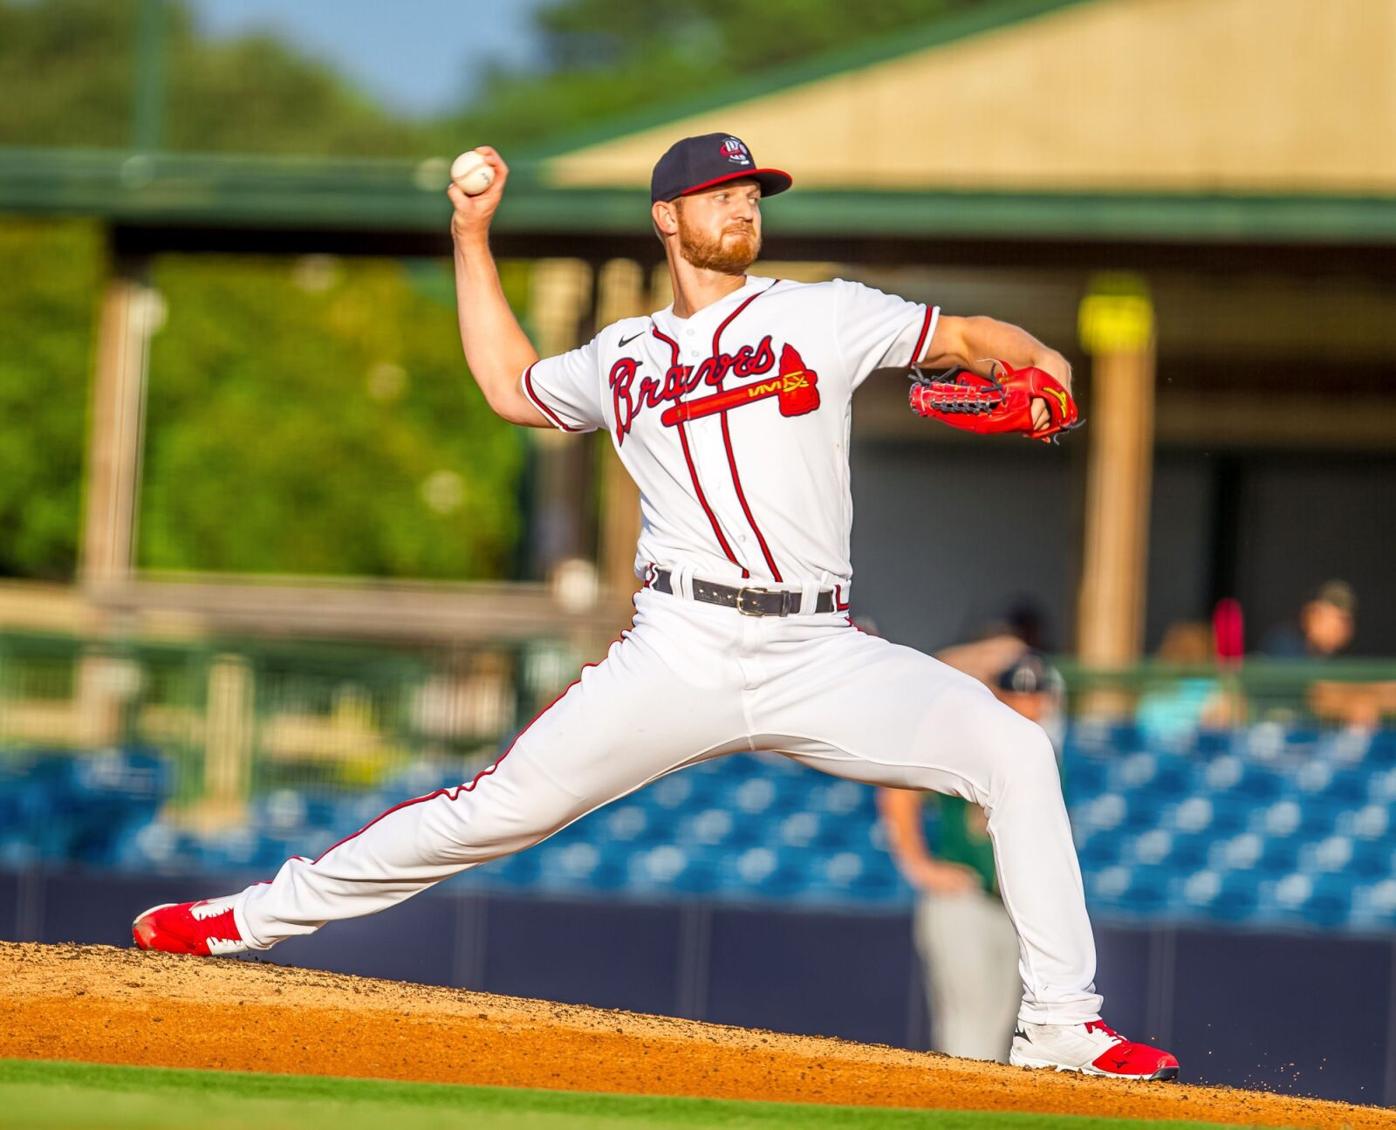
670,792
1230,815
1368,822
624,822
1105,812
1126,737
1084,777
1348,787
1236,898
1349,746
708,826
1099,850
1134,770
1234,775
842,798
518,870
1088,738
1381,786
1213,743
1272,823
1372,859
1374,905
1200,889
1301,741
1151,848
1306,818
1148,890
1280,855
1189,851
1381,749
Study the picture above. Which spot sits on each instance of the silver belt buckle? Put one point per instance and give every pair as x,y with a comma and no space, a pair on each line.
749,611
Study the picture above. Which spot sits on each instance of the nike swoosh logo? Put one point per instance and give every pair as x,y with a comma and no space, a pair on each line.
627,340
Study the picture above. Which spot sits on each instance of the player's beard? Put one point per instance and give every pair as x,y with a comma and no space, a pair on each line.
730,253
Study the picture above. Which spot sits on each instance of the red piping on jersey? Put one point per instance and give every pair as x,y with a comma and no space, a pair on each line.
921,340
692,470
455,791
538,403
727,440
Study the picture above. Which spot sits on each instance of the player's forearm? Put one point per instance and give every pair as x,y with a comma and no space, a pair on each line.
971,342
496,347
901,815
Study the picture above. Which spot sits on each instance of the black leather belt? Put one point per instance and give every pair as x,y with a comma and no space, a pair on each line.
747,601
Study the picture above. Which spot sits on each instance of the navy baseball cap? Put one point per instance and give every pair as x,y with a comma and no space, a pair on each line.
696,163
1030,673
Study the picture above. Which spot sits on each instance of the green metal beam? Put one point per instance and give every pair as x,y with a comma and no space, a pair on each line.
406,196
148,110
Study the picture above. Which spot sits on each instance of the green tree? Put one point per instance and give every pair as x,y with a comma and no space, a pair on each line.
315,416
69,69
610,57
47,311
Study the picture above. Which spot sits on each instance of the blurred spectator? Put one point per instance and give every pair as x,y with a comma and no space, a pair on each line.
1179,704
1325,625
967,944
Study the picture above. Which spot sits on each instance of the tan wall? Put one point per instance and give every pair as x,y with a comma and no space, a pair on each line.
1252,95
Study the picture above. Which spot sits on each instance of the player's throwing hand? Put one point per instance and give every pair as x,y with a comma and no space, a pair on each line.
473,213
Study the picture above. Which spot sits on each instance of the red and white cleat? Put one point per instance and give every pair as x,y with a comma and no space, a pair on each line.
1093,1048
205,928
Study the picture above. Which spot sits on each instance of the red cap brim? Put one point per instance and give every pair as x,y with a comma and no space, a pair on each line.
772,181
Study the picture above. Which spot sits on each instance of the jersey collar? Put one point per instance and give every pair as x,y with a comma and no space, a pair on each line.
719,308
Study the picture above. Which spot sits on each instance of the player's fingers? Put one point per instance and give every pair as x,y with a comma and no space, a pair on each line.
460,200
494,160
1040,416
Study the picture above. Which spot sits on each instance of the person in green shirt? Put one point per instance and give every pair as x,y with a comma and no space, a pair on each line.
967,945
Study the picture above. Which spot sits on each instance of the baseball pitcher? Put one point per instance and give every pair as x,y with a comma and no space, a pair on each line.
731,410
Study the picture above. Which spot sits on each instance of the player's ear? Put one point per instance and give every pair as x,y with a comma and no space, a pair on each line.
664,213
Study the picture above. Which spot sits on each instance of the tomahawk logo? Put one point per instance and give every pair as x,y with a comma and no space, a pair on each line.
736,152
794,388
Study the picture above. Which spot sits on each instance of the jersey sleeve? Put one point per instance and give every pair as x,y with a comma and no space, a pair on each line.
878,330
567,389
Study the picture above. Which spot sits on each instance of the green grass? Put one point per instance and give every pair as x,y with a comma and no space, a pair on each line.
75,1096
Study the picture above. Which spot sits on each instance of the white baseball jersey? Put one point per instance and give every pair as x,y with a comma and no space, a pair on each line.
735,422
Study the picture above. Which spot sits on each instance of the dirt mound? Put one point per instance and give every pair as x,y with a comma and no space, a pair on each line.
105,1005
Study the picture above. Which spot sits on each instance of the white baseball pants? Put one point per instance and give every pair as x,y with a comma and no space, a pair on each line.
692,681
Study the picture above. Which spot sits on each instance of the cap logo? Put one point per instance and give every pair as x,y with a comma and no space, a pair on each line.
736,152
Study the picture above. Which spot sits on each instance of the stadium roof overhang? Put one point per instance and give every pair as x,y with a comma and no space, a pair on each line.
1017,132
265,204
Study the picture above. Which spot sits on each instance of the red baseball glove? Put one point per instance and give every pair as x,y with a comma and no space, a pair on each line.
998,403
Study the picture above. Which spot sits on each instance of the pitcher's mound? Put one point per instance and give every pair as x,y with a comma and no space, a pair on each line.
105,1005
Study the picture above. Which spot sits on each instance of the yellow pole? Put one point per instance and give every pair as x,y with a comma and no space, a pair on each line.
1117,329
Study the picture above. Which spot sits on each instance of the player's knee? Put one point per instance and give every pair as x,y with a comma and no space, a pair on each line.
500,817
1024,755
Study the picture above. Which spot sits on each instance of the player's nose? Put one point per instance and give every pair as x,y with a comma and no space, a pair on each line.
744,209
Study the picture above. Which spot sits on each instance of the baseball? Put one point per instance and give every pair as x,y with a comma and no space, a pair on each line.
471,174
